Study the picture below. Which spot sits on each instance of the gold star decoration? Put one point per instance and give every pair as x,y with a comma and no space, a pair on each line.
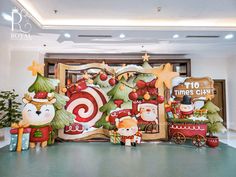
164,74
36,68
146,57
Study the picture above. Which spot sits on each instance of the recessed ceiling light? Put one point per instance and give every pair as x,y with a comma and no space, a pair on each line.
175,36
122,35
229,36
6,16
159,9
67,35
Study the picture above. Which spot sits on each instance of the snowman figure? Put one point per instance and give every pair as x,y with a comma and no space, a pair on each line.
186,107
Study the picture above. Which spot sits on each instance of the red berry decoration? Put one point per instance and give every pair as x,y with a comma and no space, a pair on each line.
112,81
160,99
103,76
133,96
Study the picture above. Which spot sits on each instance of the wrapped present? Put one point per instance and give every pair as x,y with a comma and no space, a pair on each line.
200,113
169,113
175,108
114,137
19,139
138,137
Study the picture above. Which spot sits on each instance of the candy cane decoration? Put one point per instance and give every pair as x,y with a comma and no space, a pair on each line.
85,105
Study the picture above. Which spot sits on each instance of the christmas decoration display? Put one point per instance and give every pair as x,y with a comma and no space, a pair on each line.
214,125
20,135
137,93
9,108
187,119
44,112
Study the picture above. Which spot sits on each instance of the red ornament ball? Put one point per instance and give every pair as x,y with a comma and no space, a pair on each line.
160,99
112,81
103,76
133,96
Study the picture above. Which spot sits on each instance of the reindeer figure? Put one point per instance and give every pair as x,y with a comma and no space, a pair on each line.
39,112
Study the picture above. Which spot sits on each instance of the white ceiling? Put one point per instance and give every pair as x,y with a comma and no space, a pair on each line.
208,17
132,12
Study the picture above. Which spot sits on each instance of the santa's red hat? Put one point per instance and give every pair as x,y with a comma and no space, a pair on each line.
118,114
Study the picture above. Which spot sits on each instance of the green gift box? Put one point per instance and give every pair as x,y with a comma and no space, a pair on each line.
114,137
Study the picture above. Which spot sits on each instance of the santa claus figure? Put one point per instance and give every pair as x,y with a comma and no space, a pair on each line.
186,107
148,112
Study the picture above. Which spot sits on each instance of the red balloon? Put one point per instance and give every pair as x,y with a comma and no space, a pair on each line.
103,76
160,99
112,81
133,96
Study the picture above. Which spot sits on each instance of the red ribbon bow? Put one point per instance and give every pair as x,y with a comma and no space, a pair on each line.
75,88
144,87
141,84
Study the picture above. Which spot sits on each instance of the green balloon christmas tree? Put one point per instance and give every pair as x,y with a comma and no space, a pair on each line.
103,81
215,120
145,77
119,98
44,84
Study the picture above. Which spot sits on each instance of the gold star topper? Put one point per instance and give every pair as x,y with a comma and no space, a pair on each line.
36,68
146,57
165,75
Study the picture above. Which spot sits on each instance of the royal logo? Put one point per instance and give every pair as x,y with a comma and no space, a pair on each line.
20,25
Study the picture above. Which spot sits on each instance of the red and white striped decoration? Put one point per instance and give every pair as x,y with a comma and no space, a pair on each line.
85,105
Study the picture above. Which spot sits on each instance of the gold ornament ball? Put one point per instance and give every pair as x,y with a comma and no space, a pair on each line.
64,90
146,96
122,87
90,81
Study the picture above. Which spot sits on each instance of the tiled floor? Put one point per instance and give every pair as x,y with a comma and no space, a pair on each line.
108,160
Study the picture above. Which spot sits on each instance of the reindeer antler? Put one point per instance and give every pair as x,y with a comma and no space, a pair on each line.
28,97
50,96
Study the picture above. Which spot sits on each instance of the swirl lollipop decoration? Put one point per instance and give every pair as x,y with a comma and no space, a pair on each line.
85,105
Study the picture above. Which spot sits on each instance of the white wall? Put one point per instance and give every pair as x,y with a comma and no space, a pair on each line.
212,65
231,68
4,66
20,77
